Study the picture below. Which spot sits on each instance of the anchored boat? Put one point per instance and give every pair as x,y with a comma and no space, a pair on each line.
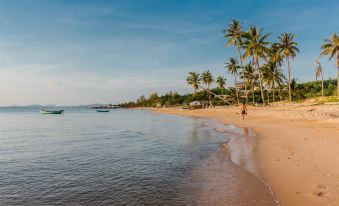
102,110
44,111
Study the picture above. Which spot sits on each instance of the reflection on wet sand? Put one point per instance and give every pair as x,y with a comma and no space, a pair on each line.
229,175
218,181
242,146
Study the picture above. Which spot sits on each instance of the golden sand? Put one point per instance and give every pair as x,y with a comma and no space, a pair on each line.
298,150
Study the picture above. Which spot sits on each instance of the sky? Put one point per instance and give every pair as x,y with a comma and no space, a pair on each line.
82,52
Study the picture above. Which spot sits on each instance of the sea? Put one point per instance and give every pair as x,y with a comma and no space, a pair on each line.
126,157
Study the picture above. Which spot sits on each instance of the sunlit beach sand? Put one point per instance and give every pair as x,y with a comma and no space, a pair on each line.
297,148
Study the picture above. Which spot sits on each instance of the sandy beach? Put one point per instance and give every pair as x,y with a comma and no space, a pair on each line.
298,148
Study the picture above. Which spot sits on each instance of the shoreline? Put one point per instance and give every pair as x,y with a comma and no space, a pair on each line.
297,150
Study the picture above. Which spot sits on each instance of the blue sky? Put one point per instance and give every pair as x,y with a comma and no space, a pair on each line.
80,52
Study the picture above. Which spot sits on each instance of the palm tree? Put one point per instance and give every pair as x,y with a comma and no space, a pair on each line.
232,68
294,86
194,80
319,74
288,49
274,54
272,76
250,77
255,45
331,48
207,79
221,81
234,34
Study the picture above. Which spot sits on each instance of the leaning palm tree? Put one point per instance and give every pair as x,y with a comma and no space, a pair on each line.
272,76
234,34
250,77
233,68
256,46
194,80
319,74
288,49
207,79
331,48
221,81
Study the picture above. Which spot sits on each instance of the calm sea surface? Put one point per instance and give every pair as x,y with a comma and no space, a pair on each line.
124,158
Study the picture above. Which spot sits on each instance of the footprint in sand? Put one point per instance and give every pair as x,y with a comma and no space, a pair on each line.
320,191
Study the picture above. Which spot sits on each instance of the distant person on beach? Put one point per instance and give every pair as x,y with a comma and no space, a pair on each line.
243,110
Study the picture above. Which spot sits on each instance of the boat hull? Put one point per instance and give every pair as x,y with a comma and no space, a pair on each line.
102,110
51,111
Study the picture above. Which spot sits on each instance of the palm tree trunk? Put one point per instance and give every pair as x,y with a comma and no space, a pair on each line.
289,79
338,76
268,96
242,69
273,88
214,94
253,95
260,82
235,88
322,84
209,97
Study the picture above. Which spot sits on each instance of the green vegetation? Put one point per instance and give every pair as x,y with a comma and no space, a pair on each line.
260,72
331,48
299,92
288,49
233,68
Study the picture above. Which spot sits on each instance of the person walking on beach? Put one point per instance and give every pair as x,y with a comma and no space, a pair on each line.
243,110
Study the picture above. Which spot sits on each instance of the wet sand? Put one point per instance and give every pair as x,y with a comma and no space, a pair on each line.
298,148
229,175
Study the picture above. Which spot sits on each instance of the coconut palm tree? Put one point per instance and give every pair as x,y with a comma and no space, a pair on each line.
274,54
193,79
331,48
294,86
272,76
319,74
233,68
288,49
256,46
234,35
221,81
250,77
207,79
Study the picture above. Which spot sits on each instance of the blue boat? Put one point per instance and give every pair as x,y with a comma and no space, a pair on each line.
102,110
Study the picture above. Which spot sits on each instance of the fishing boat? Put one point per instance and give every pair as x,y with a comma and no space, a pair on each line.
43,111
102,110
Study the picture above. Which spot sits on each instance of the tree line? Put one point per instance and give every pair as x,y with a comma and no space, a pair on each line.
259,67
299,92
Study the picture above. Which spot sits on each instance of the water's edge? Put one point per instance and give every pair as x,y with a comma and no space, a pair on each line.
230,149
257,174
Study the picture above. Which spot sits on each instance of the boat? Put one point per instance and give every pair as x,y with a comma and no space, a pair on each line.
102,110
43,111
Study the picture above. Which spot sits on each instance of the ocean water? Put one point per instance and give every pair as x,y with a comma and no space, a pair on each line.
125,157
